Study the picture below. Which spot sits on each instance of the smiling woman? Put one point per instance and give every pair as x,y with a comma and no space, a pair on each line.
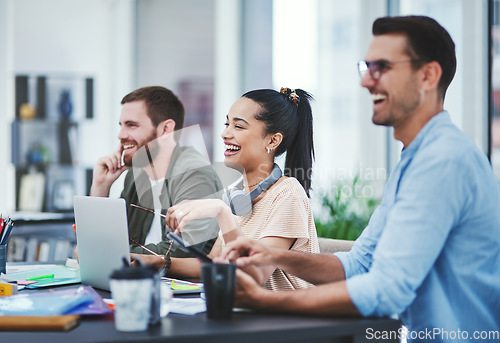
244,130
261,125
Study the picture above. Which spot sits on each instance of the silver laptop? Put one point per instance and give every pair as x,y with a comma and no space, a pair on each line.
102,238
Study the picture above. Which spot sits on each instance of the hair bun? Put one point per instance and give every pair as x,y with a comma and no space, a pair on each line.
291,95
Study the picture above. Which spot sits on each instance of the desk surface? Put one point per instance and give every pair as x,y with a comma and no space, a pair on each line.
243,327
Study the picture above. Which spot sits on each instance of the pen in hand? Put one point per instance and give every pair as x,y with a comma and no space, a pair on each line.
142,246
147,209
149,250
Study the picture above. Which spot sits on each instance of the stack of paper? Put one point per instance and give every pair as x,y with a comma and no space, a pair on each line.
82,300
41,305
61,275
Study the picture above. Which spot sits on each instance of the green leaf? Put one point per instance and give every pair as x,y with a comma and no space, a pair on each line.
348,216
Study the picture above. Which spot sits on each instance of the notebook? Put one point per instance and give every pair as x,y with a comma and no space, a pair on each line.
102,238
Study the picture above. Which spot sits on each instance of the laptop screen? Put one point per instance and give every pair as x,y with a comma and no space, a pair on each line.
102,238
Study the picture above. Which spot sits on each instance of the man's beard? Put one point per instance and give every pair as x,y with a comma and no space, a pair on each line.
401,108
145,153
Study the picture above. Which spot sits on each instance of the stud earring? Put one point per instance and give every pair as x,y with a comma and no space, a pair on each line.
268,150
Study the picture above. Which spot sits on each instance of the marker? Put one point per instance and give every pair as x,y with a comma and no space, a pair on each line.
40,277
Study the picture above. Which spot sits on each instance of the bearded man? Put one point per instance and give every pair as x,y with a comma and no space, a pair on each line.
160,173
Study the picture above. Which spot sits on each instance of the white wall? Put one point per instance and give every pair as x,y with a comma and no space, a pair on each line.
80,37
175,49
6,170
175,41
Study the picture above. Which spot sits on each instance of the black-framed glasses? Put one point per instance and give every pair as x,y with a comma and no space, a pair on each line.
376,68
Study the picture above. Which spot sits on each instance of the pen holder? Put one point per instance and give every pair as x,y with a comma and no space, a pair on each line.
3,258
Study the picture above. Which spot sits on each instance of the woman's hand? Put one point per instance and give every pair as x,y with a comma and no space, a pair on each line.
179,215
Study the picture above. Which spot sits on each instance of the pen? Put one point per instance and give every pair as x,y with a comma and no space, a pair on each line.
3,224
151,251
40,277
142,246
6,233
147,209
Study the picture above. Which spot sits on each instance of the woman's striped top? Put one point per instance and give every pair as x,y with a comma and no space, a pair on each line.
283,211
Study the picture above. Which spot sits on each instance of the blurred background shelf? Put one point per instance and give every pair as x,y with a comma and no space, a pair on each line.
44,237
45,140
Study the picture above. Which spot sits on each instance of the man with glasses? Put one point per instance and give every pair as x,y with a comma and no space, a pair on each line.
431,251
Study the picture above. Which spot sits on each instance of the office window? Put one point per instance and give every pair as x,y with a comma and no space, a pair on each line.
347,143
316,47
466,98
495,123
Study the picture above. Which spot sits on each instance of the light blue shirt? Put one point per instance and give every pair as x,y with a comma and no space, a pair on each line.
431,251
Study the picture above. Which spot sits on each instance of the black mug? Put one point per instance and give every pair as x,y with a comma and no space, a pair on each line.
219,281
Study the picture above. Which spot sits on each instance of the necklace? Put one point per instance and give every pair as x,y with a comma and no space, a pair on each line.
255,184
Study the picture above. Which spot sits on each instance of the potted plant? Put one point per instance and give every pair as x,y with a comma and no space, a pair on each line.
348,211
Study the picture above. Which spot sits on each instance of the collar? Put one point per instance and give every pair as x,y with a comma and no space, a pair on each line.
439,119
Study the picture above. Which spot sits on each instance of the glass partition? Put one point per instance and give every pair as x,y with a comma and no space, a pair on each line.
495,87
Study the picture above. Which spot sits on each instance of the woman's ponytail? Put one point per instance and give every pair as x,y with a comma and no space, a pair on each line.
300,152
